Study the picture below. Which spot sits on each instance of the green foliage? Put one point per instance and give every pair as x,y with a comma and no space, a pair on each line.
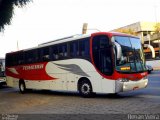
7,10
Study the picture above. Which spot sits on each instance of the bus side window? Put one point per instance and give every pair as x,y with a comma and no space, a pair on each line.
30,56
20,58
102,54
9,60
45,54
84,47
14,59
26,57
54,52
62,51
74,52
37,55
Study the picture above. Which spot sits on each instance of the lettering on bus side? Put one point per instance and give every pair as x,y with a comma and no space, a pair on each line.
33,67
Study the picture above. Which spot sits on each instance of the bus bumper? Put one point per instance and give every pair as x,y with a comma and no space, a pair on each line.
130,85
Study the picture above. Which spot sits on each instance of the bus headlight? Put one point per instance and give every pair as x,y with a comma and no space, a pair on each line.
124,87
146,83
124,80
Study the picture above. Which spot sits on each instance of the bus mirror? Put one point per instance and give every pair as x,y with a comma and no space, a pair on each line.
118,51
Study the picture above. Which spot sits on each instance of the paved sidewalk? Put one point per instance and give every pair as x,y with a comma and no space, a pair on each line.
155,64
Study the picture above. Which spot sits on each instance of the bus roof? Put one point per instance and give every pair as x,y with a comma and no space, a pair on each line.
72,38
122,34
80,36
65,39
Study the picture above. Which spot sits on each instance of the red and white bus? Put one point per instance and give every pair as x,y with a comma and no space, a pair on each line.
102,62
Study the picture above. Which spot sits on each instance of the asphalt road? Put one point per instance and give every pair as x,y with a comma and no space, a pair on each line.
143,101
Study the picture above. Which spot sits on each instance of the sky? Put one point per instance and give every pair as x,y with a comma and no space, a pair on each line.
45,20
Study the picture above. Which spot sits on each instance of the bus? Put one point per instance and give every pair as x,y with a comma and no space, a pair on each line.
101,62
2,72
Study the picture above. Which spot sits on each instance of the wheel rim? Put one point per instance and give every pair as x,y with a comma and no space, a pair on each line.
22,87
85,88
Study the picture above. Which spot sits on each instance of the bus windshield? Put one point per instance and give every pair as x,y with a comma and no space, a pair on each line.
132,58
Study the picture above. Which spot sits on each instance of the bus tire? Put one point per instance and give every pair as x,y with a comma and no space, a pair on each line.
85,89
22,87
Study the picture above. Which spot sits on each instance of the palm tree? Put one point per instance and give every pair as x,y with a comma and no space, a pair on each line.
7,11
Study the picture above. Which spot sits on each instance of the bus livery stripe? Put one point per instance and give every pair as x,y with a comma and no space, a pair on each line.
30,72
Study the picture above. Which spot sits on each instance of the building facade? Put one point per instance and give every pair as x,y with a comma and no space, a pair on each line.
149,34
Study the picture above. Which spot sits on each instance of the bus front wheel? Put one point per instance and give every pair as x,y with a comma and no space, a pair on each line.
22,87
85,89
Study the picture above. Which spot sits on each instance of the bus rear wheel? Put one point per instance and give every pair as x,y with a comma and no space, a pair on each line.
85,89
22,87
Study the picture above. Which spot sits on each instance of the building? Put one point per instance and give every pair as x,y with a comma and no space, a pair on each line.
149,33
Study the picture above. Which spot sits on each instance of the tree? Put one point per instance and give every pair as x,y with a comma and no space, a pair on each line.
7,11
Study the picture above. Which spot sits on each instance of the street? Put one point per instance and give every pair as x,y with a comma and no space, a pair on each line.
144,101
